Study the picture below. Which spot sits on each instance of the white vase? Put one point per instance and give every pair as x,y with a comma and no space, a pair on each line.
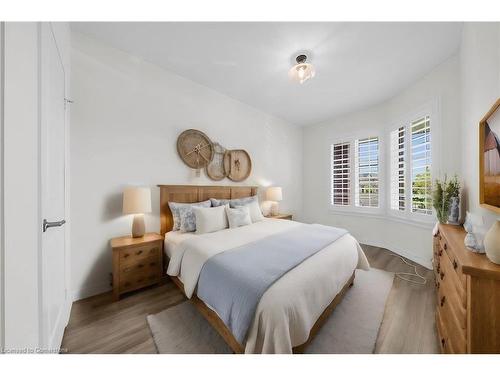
492,242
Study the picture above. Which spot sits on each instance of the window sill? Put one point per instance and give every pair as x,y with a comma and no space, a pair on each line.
379,214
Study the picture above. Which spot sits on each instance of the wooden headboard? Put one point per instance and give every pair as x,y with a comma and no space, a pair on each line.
193,194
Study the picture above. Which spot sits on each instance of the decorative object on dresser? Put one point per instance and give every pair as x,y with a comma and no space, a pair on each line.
470,240
468,295
489,159
237,165
137,262
195,148
275,195
446,200
282,216
137,201
492,242
215,169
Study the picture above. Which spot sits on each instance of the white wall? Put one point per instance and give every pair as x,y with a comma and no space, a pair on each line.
441,88
125,122
480,76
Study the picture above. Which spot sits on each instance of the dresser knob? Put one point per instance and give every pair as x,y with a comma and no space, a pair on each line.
441,275
139,252
437,285
455,264
440,252
152,264
445,246
443,342
443,300
126,255
140,265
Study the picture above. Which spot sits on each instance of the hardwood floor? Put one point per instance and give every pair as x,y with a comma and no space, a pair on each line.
99,325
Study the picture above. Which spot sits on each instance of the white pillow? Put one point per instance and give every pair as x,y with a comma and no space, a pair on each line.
238,216
210,219
255,212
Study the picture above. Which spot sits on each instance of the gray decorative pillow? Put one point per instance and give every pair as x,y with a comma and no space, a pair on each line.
233,202
219,202
238,217
185,210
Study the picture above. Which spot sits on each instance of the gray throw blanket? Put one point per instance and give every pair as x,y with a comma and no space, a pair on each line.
233,282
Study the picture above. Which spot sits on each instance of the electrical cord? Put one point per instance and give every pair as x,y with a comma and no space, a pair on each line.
402,275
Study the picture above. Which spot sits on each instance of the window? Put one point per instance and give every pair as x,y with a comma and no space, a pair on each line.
398,173
417,161
367,179
340,174
421,166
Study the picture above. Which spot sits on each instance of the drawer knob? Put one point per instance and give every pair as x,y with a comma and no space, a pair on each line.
440,252
443,342
152,264
126,255
441,275
139,252
445,246
455,264
140,265
437,285
443,300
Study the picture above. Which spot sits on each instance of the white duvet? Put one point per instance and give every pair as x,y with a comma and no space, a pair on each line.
290,307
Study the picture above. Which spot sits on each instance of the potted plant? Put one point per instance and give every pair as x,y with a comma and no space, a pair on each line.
446,198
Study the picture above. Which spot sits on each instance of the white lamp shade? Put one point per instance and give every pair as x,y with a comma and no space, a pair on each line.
274,194
136,200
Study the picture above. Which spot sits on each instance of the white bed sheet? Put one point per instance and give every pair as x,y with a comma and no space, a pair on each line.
290,307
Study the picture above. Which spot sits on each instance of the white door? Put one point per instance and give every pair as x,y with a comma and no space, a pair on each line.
54,298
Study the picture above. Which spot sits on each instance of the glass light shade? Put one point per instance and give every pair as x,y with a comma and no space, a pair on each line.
136,200
274,194
301,72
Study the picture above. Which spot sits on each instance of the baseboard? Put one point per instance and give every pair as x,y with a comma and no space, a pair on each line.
90,290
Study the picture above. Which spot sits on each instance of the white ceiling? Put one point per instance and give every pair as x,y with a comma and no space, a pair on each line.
357,64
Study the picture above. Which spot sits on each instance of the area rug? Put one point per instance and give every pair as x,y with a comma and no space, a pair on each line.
351,328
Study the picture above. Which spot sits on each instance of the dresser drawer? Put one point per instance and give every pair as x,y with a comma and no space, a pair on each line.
138,280
457,268
453,325
132,255
449,277
140,265
448,342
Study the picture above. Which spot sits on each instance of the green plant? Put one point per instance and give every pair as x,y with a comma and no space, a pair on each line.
442,193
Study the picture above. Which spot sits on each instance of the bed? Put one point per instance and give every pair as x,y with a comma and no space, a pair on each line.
294,307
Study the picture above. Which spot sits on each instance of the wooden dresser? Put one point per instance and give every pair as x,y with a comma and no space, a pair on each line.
468,295
137,262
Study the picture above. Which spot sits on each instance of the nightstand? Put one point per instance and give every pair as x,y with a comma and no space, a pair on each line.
282,216
137,262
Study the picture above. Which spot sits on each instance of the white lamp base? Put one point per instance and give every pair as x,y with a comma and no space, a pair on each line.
275,209
138,226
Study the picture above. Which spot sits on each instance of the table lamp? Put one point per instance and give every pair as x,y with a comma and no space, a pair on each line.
137,201
275,195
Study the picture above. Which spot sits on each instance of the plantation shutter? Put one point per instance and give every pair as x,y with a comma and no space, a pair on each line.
421,166
398,173
340,174
367,172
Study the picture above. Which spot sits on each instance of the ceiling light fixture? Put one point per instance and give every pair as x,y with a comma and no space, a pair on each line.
302,71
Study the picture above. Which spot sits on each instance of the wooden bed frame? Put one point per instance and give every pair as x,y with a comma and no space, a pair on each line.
195,193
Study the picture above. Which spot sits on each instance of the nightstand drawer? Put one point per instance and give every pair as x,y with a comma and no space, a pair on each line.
139,265
131,255
138,280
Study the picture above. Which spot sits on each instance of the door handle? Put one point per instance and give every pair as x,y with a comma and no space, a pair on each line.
50,224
